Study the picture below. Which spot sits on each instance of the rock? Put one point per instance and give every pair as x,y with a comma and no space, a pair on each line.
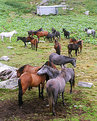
8,74
86,12
5,58
9,47
9,84
85,84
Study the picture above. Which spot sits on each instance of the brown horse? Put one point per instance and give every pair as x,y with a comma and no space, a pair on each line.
34,42
40,34
57,47
74,41
33,70
29,80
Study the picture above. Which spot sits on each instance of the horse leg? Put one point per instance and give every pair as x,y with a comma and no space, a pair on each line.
2,39
39,90
10,39
76,52
25,44
42,91
63,97
70,86
53,108
20,93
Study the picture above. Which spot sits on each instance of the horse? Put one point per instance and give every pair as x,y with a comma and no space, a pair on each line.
34,42
90,31
31,31
74,41
50,36
54,87
66,33
33,69
61,60
24,39
57,47
40,34
29,80
53,73
7,34
73,46
56,33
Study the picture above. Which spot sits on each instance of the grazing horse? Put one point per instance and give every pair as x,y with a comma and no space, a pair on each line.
7,34
74,41
29,80
66,33
56,33
54,87
90,31
40,34
57,47
61,60
53,73
31,31
75,47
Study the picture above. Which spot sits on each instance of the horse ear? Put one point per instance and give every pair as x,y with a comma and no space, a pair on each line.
62,66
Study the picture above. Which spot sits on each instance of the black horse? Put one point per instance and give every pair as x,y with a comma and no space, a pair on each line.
50,37
66,33
24,39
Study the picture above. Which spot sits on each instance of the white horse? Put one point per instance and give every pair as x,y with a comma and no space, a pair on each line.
7,34
90,31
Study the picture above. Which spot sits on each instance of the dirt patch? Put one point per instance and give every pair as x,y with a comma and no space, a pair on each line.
35,109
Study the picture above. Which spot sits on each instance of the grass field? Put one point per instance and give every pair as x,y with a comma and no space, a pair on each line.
82,104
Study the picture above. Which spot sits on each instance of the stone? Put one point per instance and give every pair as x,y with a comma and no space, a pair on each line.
5,58
85,84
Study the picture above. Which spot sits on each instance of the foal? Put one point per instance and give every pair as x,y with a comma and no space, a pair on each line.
56,33
57,47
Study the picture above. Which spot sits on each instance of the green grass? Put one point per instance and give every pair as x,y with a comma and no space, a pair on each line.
18,15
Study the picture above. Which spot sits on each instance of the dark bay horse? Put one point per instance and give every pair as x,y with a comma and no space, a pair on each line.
61,60
53,73
54,87
72,46
31,31
40,34
74,41
29,80
57,47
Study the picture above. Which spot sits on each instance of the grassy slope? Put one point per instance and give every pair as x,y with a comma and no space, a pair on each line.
17,15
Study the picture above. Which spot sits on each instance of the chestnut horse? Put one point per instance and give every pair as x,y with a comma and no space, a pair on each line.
57,47
29,80
33,70
34,42
74,41
40,34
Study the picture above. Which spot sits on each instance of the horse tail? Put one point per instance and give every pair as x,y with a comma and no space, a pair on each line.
20,93
50,96
73,79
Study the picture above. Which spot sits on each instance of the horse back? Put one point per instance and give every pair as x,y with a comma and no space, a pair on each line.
37,79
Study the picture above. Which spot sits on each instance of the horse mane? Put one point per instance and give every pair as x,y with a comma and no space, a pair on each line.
22,68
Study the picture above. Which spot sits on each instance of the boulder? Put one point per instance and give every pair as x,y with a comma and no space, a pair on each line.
85,84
